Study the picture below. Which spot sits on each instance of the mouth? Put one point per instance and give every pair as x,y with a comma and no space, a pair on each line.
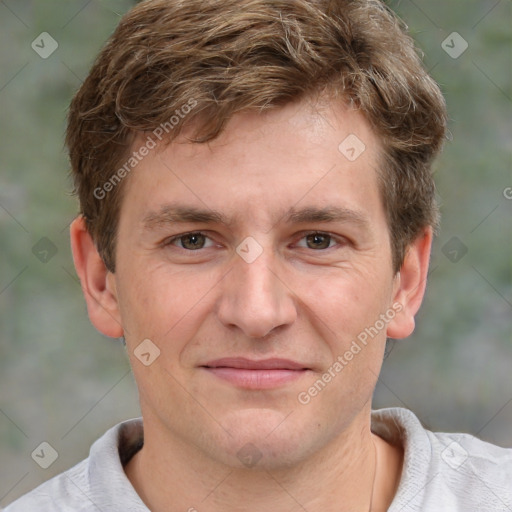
251,374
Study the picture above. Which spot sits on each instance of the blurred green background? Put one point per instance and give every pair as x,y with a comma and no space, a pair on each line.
62,382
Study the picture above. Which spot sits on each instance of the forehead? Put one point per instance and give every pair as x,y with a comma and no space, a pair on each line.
264,166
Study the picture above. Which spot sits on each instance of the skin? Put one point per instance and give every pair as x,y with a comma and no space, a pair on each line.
294,301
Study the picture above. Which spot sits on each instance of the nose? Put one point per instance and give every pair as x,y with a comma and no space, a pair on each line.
255,298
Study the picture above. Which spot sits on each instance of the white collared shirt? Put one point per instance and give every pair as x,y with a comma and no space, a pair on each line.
441,472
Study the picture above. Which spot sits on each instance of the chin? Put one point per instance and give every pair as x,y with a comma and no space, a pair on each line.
266,439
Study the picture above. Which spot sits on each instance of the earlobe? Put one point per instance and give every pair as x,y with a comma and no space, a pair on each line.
410,285
97,283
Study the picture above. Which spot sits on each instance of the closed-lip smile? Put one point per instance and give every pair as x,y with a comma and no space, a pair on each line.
256,374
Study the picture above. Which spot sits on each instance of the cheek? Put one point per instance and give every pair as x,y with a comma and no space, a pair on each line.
158,304
343,315
346,302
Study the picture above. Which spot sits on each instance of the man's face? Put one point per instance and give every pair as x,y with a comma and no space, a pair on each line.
227,303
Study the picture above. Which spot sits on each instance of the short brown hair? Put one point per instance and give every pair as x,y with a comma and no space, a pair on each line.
234,55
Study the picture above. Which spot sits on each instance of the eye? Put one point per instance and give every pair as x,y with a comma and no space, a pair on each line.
196,240
317,240
190,241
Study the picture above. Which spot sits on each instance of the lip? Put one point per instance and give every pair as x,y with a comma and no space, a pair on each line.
252,374
242,363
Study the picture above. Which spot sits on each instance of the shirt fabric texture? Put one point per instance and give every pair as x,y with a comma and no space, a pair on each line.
441,472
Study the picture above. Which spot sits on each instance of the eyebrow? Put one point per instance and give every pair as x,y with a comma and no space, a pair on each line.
170,213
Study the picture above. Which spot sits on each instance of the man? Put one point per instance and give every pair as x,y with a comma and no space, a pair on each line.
257,211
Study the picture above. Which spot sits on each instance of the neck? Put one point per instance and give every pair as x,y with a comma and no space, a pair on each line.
344,476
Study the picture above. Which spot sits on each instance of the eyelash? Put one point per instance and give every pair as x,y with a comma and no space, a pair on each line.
339,240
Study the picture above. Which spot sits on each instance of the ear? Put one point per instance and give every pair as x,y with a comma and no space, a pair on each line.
98,284
410,285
